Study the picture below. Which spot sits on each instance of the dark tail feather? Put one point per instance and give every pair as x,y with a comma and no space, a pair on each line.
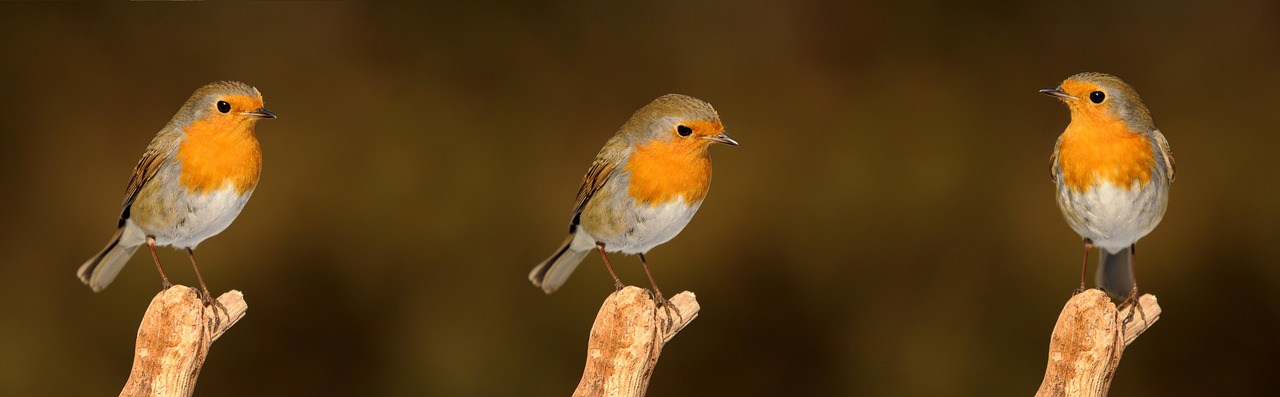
1115,272
553,272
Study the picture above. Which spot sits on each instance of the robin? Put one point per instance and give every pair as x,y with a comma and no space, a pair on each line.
192,181
1113,169
643,188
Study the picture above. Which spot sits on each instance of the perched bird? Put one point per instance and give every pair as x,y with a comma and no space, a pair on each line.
192,181
643,188
1113,170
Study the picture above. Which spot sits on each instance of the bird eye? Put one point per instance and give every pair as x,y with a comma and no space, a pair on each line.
683,130
1097,96
224,107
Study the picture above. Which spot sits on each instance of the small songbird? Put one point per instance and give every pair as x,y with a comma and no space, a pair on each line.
192,181
643,188
1113,170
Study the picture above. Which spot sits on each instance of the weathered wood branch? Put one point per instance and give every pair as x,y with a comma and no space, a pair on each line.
1088,341
626,340
174,339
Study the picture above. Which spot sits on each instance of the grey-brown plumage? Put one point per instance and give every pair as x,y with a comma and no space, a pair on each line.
1113,170
179,200
621,208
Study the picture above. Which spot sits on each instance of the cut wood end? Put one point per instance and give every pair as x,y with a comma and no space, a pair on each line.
236,309
1088,341
1142,320
684,308
627,338
1096,306
684,303
174,339
178,297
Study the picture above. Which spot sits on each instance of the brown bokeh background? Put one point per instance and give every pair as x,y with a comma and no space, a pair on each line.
887,227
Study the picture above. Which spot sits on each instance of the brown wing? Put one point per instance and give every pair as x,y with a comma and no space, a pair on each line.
146,169
597,175
1163,144
1053,161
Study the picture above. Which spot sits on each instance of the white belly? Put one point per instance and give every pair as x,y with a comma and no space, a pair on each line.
205,215
1112,216
649,226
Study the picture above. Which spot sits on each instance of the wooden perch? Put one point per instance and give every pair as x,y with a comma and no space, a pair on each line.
174,339
626,340
1088,341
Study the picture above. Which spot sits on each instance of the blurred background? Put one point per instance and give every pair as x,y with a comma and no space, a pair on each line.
887,227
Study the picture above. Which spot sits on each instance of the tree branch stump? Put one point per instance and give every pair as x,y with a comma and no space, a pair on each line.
1088,341
174,339
627,338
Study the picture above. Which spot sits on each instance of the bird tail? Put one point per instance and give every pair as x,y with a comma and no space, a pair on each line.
101,269
553,272
1115,272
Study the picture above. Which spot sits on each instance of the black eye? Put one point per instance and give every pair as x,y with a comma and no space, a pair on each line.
224,107
684,131
1097,96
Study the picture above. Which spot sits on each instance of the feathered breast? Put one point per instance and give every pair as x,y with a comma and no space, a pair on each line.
214,154
662,170
1092,153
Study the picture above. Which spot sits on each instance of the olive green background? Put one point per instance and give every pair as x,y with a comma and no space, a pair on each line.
887,227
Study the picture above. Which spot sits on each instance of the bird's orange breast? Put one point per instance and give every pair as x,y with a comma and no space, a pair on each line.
660,171
1095,151
217,152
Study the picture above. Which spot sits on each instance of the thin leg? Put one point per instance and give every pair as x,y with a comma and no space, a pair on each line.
1133,293
1084,265
203,288
164,280
208,297
1133,266
617,282
662,300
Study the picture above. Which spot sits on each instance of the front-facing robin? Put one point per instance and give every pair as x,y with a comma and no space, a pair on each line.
192,181
643,188
1113,170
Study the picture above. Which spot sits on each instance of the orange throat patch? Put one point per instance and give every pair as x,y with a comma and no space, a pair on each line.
663,170
1093,151
215,154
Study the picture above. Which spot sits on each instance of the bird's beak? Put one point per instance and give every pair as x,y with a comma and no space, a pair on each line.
261,113
722,138
1056,92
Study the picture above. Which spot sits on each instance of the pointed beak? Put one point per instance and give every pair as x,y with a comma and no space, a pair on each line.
1056,92
262,113
722,138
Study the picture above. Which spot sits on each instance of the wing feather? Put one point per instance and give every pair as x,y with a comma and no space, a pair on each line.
600,172
1166,153
143,173
1053,161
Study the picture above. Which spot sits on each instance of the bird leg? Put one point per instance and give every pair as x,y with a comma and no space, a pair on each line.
617,282
1132,300
661,300
206,296
164,280
1084,265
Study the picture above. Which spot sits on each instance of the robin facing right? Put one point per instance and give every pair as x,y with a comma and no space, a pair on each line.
1113,170
192,181
643,188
